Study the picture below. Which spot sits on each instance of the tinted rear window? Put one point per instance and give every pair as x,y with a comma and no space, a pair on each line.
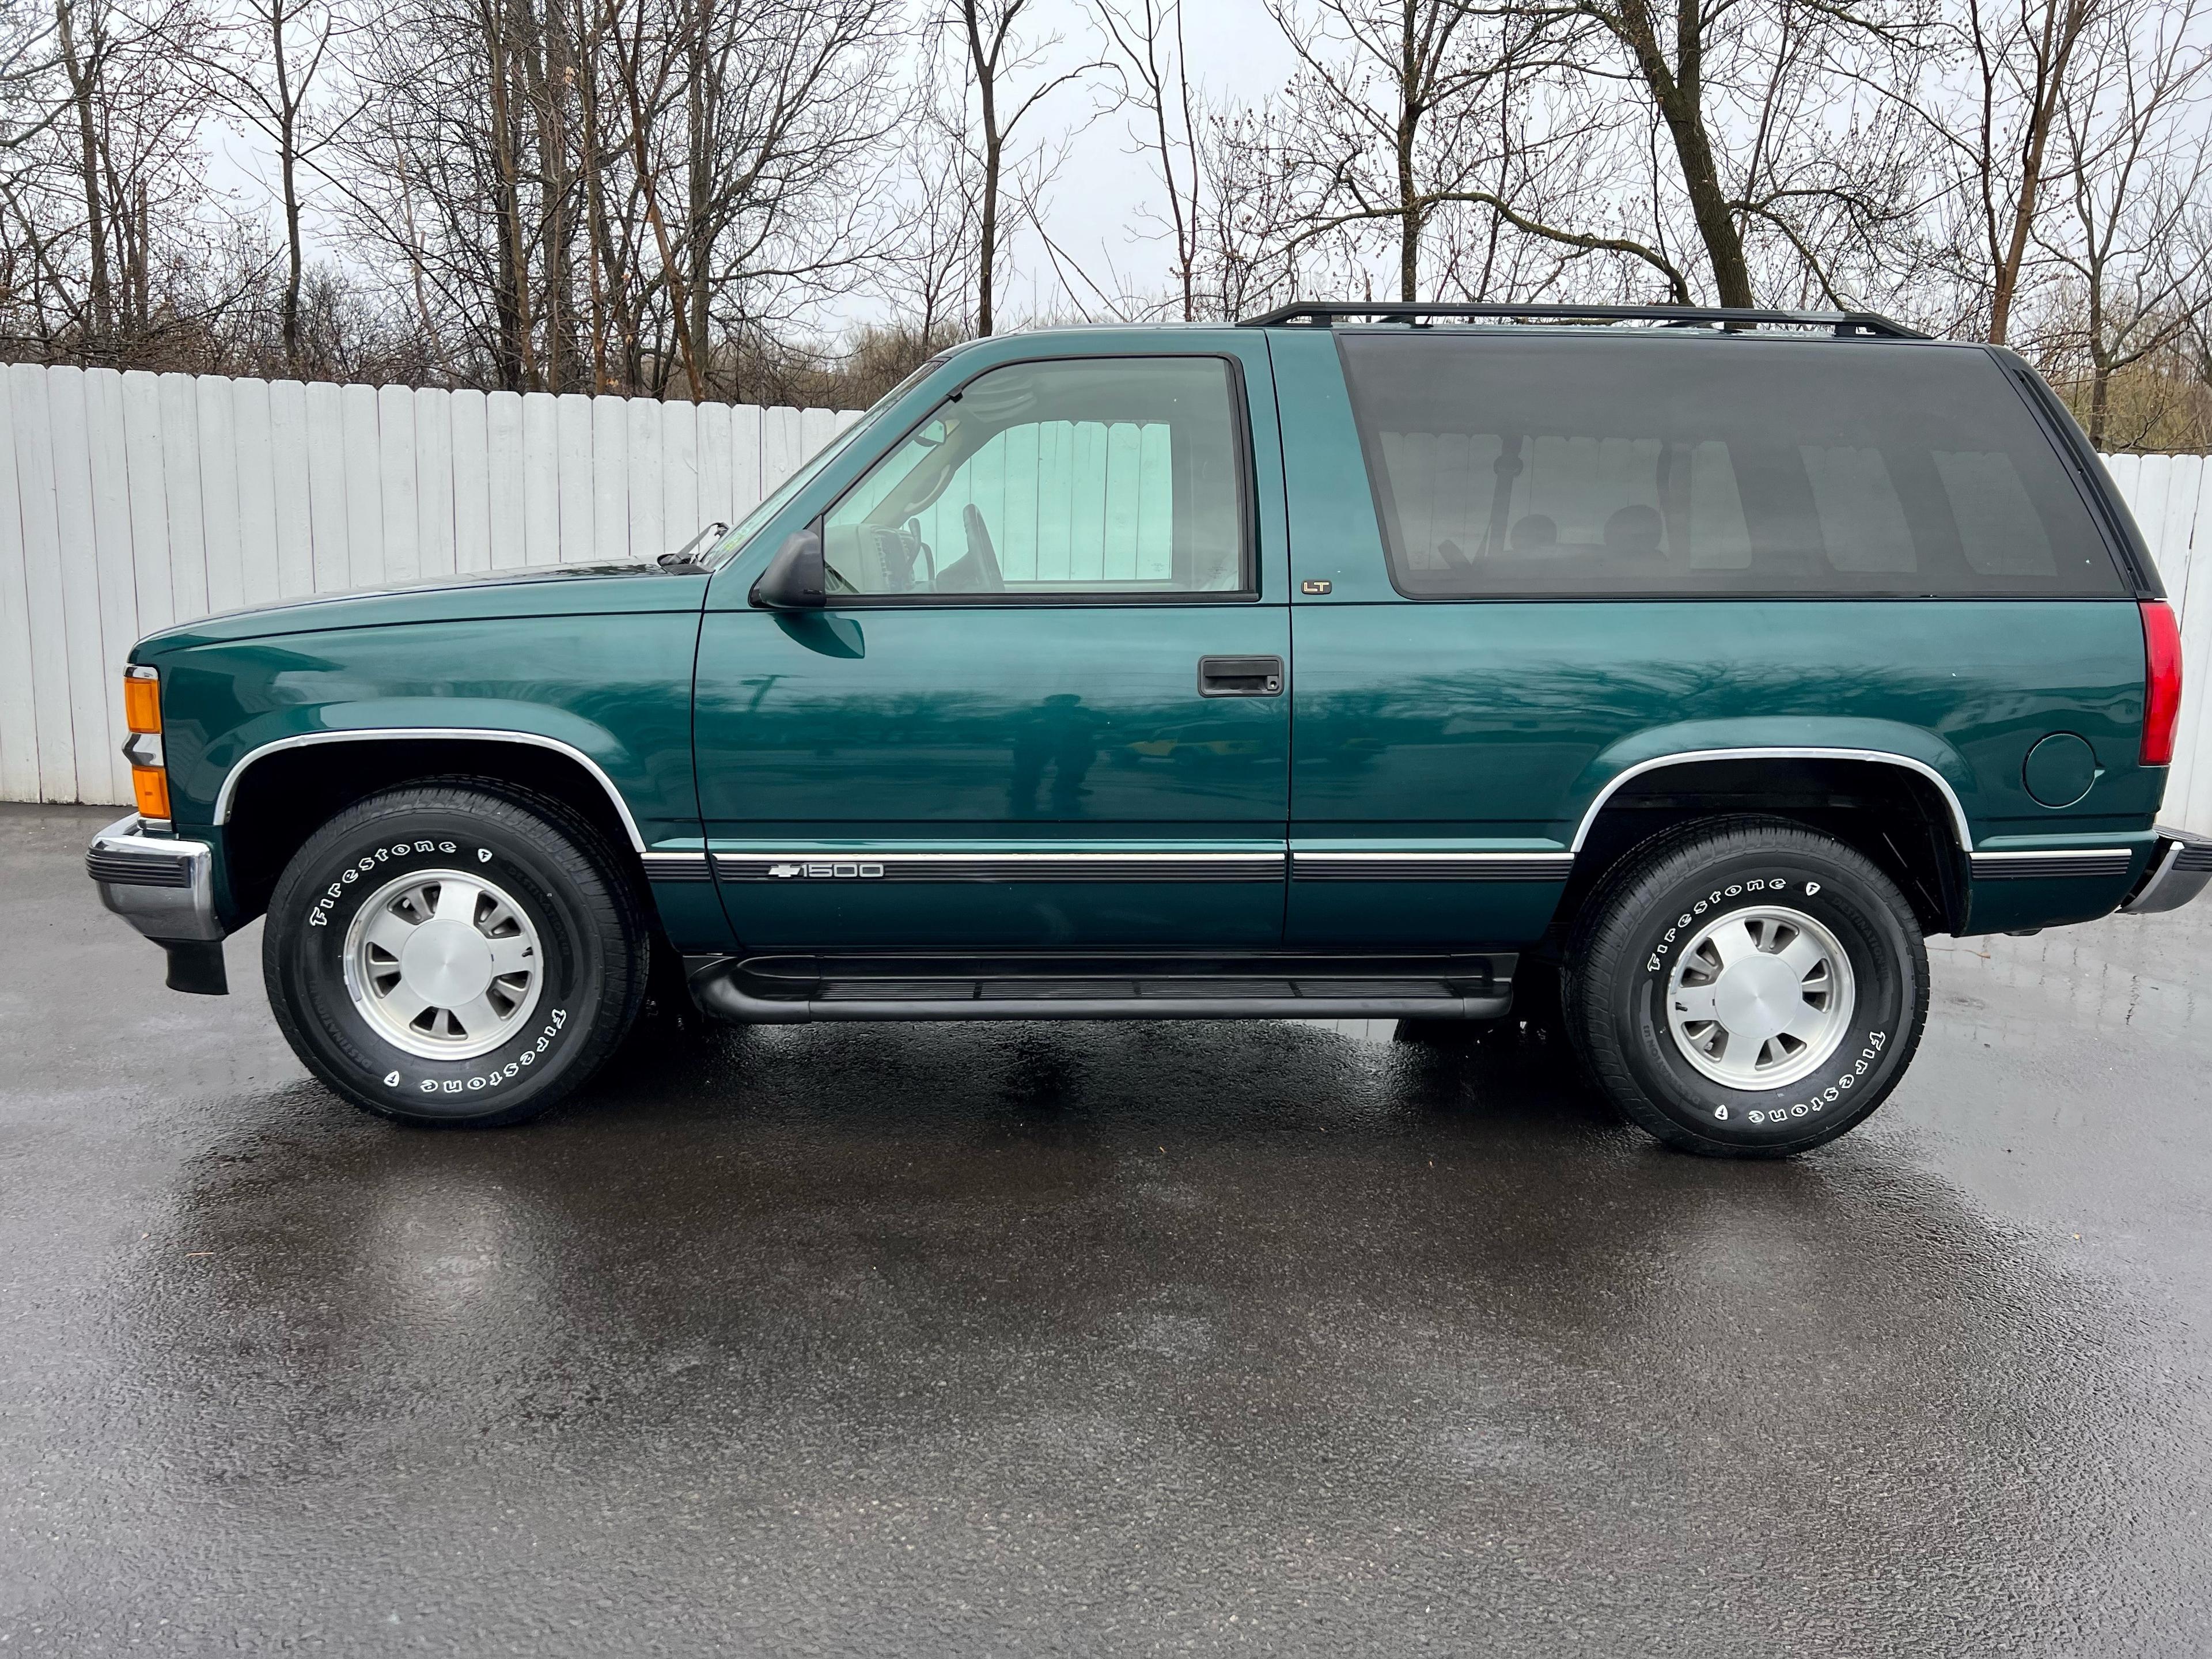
1550,464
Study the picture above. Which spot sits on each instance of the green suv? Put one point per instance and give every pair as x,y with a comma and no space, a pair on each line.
1687,668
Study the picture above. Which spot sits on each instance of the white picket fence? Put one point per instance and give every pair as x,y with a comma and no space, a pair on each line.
132,501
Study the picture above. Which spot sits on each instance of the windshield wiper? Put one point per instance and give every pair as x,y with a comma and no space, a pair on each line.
687,556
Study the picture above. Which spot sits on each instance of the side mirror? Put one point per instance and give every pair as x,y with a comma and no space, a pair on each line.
795,577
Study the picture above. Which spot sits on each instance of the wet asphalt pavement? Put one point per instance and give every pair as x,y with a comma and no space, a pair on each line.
1090,1338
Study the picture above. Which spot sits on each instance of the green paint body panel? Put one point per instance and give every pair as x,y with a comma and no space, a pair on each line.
601,663
940,725
1502,722
994,730
595,590
1499,721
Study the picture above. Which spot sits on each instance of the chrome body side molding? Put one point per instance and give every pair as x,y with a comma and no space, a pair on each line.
814,864
1024,865
2069,863
1430,866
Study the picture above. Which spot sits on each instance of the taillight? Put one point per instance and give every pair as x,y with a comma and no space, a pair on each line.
2162,688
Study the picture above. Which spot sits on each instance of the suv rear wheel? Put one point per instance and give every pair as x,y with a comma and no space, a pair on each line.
455,952
1746,987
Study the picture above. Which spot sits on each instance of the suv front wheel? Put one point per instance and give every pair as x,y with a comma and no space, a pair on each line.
455,952
1747,987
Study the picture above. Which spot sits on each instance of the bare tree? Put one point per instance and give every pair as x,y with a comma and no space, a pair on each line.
1010,74
1773,112
928,269
1998,121
110,198
264,67
1148,41
1390,115
789,110
603,189
2133,150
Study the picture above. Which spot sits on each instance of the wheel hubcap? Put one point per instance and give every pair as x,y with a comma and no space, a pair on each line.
443,964
1759,998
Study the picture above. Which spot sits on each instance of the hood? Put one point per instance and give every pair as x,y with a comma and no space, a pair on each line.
556,590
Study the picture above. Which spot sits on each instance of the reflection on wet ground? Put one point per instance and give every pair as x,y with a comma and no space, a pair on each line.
2125,976
1097,1338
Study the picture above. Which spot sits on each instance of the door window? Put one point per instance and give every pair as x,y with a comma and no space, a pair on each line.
1075,478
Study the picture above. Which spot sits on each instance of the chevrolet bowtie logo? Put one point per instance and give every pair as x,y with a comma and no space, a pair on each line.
783,869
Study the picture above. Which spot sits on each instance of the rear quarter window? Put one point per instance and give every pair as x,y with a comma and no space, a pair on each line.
1546,464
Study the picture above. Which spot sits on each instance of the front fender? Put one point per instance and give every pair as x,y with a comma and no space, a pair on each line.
612,691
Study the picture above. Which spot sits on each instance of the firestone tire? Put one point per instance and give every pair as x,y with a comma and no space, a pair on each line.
542,993
1695,890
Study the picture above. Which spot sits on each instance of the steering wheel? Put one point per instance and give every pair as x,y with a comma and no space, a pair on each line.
992,580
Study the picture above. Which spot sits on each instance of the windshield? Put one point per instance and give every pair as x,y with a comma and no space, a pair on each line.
735,537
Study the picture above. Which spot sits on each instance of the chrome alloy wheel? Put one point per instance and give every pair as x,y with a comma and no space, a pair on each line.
1759,998
443,964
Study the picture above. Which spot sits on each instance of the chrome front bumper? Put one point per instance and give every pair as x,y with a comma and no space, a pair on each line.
165,888
2179,869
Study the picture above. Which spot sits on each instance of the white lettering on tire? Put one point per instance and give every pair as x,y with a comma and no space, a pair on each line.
499,1074
1827,1096
1657,961
319,914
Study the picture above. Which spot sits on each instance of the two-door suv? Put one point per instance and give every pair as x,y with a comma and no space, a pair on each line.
1351,662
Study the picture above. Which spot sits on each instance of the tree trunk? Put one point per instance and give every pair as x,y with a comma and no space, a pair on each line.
80,76
1409,205
549,95
2057,58
632,72
701,107
1677,89
984,64
288,158
990,236
595,205
511,301
1716,225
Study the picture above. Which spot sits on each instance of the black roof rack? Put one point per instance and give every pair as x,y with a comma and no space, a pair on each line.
1324,314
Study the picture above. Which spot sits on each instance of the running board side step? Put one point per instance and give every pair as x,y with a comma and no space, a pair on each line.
732,989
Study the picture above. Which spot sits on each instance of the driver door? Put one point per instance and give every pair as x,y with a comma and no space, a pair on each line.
1047,707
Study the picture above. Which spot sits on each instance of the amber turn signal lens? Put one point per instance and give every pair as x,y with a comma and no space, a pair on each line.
151,786
142,702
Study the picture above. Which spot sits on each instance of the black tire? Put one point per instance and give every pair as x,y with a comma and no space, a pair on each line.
591,952
1630,938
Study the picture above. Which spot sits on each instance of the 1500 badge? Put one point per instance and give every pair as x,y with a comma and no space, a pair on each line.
827,871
